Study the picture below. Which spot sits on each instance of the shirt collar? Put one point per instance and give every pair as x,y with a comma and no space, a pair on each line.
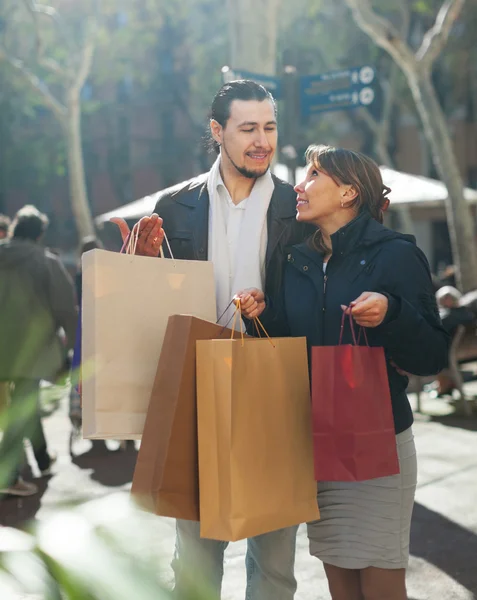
224,193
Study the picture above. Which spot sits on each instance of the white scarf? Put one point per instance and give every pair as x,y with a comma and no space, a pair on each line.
250,264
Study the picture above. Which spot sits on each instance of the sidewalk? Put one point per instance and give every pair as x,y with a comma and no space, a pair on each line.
444,535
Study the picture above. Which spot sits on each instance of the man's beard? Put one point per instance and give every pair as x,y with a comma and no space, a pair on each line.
243,170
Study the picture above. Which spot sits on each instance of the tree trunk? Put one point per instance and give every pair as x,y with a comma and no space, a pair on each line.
459,217
406,224
253,35
76,174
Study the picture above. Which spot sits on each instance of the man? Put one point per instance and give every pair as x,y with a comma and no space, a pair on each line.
242,218
37,301
4,226
452,316
451,313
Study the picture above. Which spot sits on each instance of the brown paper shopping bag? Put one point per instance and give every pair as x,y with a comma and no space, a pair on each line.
166,477
255,437
127,301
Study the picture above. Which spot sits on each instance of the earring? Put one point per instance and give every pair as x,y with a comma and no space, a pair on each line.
342,204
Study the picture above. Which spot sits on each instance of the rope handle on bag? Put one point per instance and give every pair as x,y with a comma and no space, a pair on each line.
233,318
238,311
356,340
130,243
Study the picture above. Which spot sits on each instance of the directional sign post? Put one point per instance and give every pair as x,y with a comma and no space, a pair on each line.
336,90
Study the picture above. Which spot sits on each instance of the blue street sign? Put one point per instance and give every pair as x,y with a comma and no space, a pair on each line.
337,101
272,84
337,90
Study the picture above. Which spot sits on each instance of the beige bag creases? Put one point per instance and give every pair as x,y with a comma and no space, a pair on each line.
255,437
127,301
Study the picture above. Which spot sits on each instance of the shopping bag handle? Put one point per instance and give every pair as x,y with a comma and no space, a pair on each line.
238,309
256,322
130,243
356,340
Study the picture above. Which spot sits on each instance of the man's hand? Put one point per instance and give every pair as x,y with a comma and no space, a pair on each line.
252,302
369,310
151,234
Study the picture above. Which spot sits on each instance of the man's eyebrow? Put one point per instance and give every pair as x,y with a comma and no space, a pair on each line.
254,123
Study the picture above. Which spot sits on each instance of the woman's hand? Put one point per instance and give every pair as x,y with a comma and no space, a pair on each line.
151,234
252,302
369,310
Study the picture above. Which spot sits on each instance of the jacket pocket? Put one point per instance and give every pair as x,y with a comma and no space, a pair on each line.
180,242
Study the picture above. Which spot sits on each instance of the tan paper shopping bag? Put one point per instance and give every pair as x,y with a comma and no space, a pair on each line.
127,301
166,477
255,437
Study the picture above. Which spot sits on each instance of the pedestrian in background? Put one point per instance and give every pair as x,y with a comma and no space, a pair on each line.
37,330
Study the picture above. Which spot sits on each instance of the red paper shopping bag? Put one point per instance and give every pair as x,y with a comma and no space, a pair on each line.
353,428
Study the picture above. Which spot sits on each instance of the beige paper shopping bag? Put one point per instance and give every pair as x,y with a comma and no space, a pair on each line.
166,477
255,437
127,301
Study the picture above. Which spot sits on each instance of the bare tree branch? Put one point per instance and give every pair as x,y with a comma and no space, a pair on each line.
389,99
36,84
35,11
86,59
435,39
49,11
382,31
380,128
405,19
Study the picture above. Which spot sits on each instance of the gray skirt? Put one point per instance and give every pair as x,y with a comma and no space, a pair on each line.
367,523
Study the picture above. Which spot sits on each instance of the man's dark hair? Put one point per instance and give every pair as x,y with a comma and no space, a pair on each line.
29,224
242,89
4,224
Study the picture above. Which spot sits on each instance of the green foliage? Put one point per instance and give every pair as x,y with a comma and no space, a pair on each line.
80,553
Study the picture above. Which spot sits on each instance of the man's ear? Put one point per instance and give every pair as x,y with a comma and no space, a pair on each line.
216,131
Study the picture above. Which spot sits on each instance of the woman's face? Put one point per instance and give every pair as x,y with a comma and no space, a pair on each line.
318,196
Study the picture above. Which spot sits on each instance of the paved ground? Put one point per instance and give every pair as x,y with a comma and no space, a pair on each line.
444,536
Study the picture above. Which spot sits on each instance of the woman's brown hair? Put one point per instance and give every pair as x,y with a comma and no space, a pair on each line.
351,168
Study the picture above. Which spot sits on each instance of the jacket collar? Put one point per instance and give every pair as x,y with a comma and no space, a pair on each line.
191,200
283,207
362,231
349,237
284,203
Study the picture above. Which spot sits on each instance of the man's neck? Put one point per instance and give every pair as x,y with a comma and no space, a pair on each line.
238,186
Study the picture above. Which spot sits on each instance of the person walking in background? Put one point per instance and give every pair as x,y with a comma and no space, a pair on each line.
37,304
4,226
242,218
75,412
354,264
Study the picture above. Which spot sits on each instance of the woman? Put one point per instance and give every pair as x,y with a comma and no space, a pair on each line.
354,263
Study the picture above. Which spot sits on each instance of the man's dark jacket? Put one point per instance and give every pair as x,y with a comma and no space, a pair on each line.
184,209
